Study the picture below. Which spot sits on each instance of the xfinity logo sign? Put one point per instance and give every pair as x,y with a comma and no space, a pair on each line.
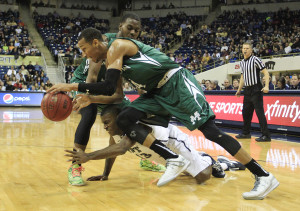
9,98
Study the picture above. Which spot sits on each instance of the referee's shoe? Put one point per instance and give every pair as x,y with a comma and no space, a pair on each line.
263,139
243,136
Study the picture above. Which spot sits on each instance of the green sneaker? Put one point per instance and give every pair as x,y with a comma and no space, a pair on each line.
74,175
151,166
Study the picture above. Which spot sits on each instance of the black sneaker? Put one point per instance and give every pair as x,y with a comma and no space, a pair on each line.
263,139
232,165
242,136
217,170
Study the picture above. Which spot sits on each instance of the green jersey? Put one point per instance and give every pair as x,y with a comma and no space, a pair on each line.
147,68
81,72
110,36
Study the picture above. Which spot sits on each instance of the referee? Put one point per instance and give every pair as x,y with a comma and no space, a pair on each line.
253,93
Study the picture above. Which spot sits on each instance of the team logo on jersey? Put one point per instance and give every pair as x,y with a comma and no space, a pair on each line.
8,98
145,59
195,117
132,134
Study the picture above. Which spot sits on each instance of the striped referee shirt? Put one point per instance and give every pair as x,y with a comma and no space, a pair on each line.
251,68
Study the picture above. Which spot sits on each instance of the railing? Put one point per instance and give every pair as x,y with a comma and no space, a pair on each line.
45,67
61,69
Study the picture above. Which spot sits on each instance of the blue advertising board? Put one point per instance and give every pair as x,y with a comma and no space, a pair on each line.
21,98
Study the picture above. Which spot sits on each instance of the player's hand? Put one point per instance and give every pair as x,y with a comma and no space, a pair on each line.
238,93
265,90
60,88
78,157
81,101
98,178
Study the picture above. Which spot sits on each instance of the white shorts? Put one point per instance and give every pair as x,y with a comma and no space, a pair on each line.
178,142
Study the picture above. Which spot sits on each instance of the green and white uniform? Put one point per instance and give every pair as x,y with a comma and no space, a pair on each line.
81,73
170,88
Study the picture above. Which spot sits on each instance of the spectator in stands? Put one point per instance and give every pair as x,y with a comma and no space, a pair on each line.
208,85
227,85
27,51
295,84
172,57
235,84
30,68
9,86
24,88
271,85
17,85
215,85
287,80
11,71
38,67
24,72
281,85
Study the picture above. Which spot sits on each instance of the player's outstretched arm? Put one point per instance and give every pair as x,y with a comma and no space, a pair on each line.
109,162
109,152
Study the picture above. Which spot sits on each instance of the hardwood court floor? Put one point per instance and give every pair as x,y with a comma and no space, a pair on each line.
34,173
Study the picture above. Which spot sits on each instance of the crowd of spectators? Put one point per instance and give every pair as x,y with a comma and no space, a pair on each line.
60,33
163,32
25,78
163,6
14,38
271,34
284,82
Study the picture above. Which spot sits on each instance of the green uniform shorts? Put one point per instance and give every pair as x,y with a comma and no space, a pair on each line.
181,97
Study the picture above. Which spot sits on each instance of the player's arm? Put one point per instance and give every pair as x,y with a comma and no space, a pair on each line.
267,81
108,152
241,85
94,69
115,54
83,100
109,162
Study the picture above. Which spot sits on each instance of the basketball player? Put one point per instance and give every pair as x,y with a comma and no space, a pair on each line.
170,89
89,72
200,167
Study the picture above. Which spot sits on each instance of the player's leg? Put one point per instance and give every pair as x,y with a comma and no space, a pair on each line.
248,109
257,100
127,121
265,181
190,107
82,135
179,142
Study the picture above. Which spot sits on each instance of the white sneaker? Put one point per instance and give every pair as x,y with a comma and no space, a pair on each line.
174,167
262,186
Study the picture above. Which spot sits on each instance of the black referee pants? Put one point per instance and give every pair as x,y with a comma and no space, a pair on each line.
253,100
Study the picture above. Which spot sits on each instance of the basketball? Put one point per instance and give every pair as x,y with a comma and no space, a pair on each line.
57,106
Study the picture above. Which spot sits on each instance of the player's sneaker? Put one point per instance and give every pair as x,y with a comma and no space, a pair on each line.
262,186
74,175
174,167
232,165
151,166
217,170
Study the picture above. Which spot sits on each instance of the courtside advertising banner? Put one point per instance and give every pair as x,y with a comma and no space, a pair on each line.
21,98
279,110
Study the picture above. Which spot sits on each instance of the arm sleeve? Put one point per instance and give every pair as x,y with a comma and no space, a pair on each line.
107,87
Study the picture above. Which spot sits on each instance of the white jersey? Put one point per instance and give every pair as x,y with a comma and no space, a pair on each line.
177,141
